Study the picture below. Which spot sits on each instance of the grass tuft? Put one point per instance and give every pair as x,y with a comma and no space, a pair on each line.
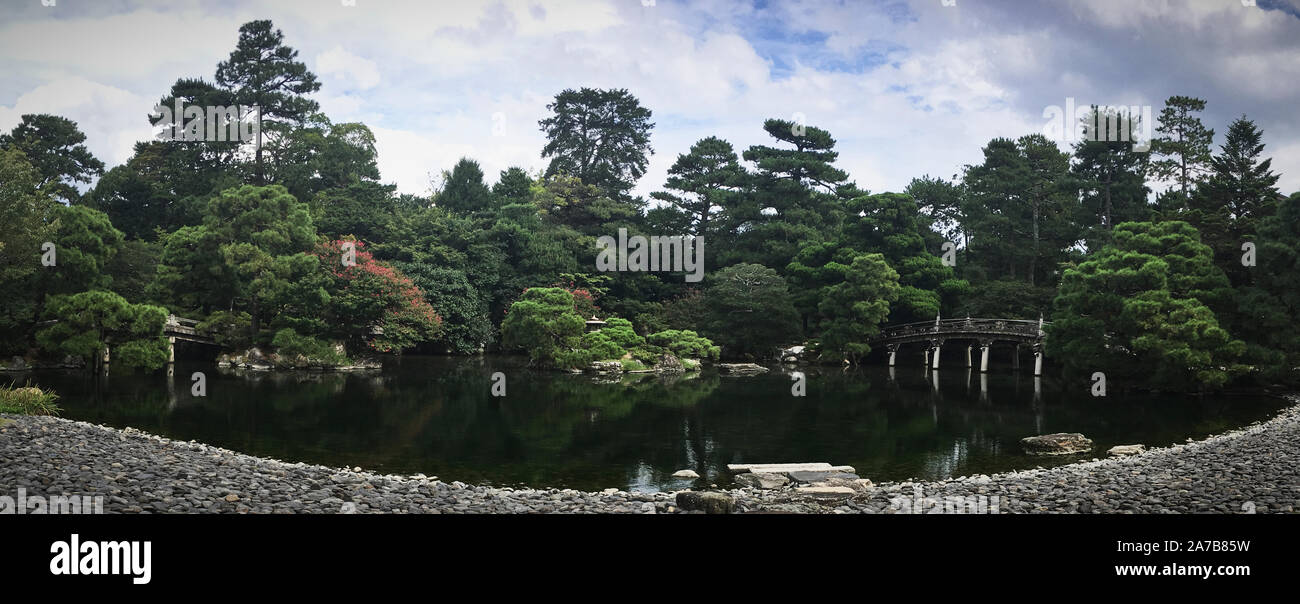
27,400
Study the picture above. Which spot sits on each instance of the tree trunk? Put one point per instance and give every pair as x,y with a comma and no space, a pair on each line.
261,174
1033,259
1106,208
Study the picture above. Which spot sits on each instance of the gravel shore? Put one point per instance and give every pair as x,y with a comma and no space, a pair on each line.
1252,470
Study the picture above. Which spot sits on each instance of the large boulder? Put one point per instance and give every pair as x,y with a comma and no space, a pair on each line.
793,354
669,364
1061,443
741,369
707,501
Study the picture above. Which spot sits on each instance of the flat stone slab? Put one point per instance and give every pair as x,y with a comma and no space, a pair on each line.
820,476
1123,450
762,480
826,492
741,369
786,468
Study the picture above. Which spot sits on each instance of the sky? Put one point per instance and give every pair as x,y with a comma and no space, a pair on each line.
907,88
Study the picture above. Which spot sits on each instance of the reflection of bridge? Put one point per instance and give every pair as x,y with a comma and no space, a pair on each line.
982,331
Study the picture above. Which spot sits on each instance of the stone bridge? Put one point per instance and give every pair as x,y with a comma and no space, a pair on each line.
983,332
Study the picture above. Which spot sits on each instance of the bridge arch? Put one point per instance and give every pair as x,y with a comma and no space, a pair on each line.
985,332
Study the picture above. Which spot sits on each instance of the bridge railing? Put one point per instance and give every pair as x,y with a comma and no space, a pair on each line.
966,325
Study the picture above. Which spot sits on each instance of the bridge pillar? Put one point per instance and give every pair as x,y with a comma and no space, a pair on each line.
984,356
171,349
926,363
893,354
934,363
968,363
1038,361
1015,360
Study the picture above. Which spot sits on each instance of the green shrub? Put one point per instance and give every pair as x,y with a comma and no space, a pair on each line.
27,400
229,329
648,353
592,346
543,323
685,344
289,343
620,332
690,364
632,365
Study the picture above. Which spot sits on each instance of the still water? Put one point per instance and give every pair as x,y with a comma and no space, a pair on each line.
436,415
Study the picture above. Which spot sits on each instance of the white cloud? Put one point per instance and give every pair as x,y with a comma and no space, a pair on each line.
904,91
112,119
340,67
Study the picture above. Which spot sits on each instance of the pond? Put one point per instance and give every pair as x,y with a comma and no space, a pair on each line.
437,415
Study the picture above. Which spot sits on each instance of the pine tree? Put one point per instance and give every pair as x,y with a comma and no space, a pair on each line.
601,137
263,72
1111,173
703,183
54,146
1139,310
1182,145
1241,192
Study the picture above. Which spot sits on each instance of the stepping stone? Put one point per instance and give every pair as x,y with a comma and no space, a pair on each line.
826,492
1123,450
762,480
785,468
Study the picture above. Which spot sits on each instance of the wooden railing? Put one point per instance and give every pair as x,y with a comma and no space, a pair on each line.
1018,329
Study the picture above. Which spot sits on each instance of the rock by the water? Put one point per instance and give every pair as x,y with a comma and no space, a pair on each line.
741,368
1123,450
762,480
793,354
707,501
685,474
605,367
1061,443
669,364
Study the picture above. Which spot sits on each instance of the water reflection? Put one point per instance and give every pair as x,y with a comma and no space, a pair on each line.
436,415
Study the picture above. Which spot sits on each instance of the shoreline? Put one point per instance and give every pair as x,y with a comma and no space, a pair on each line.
1252,469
